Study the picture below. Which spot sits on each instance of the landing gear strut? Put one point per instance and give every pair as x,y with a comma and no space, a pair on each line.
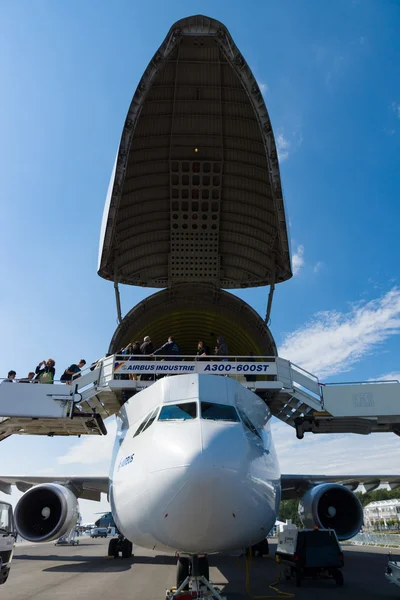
260,549
193,574
120,544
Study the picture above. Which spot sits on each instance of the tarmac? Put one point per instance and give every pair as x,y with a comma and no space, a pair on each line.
49,572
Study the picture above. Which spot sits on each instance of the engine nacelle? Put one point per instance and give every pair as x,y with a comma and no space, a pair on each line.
46,512
332,506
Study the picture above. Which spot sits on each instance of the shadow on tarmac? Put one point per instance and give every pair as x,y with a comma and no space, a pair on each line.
363,573
81,564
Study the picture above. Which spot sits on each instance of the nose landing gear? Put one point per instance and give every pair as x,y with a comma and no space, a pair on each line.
120,544
192,576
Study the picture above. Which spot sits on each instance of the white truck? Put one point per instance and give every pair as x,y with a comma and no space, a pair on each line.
7,540
96,532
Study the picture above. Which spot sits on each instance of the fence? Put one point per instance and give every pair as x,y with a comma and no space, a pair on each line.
377,539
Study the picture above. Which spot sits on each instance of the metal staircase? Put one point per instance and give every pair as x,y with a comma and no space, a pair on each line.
299,396
293,395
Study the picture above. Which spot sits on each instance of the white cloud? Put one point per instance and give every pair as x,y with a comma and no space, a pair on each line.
396,109
298,260
282,145
332,341
318,266
264,89
92,450
285,144
336,454
394,375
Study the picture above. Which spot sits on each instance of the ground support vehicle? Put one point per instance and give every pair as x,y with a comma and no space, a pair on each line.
96,532
392,573
309,553
7,540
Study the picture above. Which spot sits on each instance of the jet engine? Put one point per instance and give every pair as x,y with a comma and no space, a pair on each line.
332,506
46,512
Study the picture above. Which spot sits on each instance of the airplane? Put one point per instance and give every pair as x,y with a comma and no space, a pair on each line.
194,470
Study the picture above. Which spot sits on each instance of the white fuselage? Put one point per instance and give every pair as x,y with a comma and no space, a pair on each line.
194,481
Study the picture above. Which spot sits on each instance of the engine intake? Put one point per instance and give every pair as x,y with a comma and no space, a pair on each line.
46,512
332,506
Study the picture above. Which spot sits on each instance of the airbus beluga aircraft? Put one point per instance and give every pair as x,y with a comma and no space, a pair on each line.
194,205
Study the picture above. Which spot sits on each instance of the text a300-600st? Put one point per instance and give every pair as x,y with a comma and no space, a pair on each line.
195,367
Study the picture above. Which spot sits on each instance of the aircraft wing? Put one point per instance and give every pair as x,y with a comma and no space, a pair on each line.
88,488
294,486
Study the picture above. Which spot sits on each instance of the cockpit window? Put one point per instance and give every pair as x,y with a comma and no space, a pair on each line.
248,423
147,421
218,412
178,412
151,419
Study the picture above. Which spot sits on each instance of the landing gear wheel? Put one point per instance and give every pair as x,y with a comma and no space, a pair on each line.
126,548
113,547
182,571
204,567
262,548
338,577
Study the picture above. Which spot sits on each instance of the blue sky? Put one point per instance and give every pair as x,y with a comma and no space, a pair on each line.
330,74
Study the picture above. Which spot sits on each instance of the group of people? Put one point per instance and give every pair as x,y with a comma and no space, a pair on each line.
221,349
171,348
45,372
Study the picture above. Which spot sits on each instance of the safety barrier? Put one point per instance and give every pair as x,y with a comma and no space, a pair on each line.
386,540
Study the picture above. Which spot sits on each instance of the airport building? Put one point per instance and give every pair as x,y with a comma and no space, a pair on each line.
382,510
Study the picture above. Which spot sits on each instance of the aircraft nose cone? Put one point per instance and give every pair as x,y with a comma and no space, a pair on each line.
213,496
210,509
201,510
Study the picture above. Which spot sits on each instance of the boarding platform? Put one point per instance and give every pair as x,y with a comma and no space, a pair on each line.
293,395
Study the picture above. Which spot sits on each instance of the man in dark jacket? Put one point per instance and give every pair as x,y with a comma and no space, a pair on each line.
170,349
147,350
221,348
73,372
147,347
